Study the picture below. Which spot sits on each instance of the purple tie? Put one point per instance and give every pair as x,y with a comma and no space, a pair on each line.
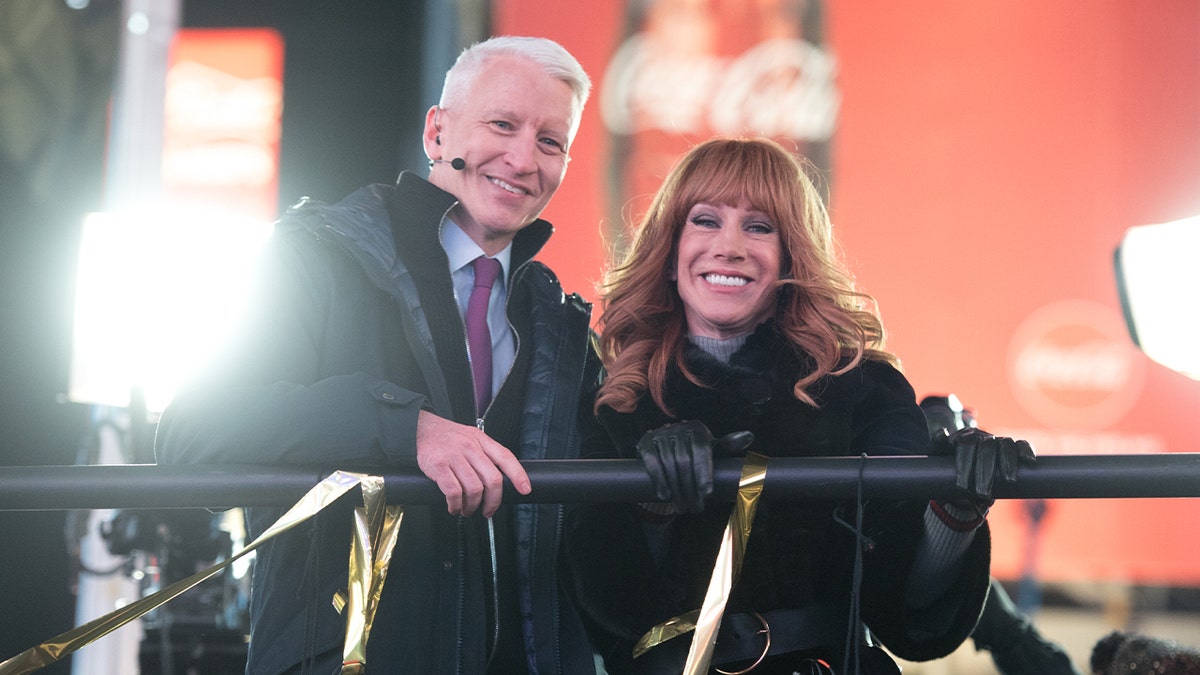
479,338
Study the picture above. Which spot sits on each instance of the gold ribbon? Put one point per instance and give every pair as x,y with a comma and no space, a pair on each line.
376,527
321,495
707,620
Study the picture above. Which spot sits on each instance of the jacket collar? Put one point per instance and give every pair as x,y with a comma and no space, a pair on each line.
417,208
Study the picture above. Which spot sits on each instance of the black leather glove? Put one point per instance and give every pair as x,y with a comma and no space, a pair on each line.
679,459
978,456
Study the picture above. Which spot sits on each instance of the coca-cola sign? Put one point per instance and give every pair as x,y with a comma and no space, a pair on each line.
685,72
1072,366
781,88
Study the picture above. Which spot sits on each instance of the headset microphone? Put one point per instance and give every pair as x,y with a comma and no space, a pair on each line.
458,163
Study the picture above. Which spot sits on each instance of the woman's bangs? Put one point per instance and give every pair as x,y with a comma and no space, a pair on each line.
734,180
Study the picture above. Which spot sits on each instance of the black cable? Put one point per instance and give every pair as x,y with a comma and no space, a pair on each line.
853,627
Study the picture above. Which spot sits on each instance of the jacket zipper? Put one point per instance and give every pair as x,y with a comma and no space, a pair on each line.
516,344
495,595
491,530
462,599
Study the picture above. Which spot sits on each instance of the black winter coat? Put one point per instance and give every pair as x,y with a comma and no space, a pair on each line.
798,552
356,332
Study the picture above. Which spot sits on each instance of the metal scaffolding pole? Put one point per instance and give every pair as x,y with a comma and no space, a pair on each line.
41,488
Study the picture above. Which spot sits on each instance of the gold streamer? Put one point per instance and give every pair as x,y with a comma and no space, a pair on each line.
321,495
707,620
376,527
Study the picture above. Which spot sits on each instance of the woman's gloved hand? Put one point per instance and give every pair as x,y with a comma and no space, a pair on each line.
979,456
679,459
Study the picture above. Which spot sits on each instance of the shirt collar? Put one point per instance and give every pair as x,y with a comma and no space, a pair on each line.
461,249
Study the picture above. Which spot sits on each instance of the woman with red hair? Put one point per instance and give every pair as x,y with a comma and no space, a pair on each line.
732,326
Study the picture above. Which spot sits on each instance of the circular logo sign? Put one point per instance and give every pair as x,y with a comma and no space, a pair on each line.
1071,364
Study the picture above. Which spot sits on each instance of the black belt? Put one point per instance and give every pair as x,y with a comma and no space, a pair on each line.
751,636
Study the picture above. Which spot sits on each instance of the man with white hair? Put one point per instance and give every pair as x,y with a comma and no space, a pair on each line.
363,353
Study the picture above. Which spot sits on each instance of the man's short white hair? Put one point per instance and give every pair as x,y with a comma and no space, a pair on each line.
551,56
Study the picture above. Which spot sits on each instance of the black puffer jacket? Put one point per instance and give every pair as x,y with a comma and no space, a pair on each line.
798,553
356,332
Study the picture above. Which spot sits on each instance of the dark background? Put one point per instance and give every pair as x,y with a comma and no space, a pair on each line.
352,114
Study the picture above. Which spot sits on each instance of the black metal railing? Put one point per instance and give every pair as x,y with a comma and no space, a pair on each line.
42,488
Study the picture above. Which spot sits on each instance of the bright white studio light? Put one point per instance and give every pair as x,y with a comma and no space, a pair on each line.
1158,274
155,294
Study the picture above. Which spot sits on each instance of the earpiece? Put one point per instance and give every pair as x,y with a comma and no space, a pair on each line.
457,163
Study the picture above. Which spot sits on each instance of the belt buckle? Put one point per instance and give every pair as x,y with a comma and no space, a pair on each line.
766,630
